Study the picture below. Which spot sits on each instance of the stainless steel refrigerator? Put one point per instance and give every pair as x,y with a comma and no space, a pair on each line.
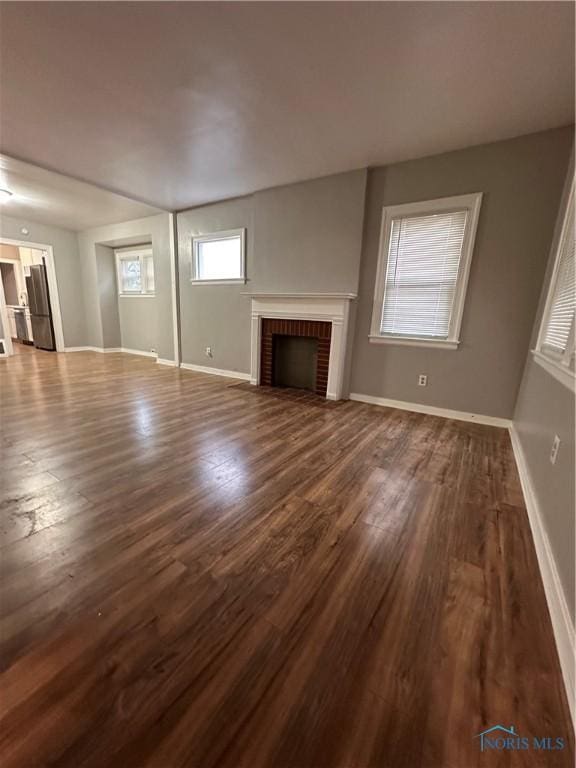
39,302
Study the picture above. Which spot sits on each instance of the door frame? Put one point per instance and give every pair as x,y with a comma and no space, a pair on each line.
7,338
52,288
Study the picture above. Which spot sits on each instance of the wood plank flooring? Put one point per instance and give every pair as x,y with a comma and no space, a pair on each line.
195,574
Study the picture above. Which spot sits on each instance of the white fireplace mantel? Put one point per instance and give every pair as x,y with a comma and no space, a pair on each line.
328,307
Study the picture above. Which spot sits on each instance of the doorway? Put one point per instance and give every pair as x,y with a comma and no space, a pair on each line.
29,304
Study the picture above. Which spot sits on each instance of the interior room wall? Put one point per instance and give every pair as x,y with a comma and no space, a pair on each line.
90,291
545,408
68,272
108,293
138,323
303,237
216,316
521,181
307,236
135,322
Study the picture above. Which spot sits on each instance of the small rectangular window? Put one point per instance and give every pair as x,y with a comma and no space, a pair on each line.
135,269
219,257
555,346
425,253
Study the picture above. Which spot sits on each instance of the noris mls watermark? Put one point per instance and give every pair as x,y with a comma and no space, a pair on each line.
505,738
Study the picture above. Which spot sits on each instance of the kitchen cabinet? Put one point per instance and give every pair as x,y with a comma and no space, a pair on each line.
29,324
11,322
28,257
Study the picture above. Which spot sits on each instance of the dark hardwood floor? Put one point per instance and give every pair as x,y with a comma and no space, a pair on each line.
195,573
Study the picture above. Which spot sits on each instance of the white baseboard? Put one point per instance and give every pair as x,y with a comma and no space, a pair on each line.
215,371
162,361
83,349
431,410
108,350
564,632
136,352
92,349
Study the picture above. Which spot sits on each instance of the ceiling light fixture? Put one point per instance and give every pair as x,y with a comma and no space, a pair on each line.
5,195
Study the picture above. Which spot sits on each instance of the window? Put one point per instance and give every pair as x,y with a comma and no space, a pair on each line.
423,266
219,257
555,346
135,270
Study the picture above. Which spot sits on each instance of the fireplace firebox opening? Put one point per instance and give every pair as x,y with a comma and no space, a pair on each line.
285,360
295,360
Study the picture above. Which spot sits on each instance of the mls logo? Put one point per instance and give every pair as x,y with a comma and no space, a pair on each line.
498,737
501,737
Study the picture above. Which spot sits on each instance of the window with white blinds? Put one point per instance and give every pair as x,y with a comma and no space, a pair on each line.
421,275
556,338
425,256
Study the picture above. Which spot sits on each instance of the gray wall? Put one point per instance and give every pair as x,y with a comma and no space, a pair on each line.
545,408
138,323
86,277
304,237
522,182
216,316
108,293
68,272
307,236
90,291
147,322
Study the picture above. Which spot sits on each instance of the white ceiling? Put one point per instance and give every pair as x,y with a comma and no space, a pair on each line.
50,198
182,103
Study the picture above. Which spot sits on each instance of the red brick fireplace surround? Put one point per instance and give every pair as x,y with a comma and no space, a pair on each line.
316,329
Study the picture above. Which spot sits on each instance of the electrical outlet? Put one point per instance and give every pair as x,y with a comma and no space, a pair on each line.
422,380
555,448
208,351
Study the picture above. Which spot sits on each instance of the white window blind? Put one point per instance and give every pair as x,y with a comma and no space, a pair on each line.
560,318
422,274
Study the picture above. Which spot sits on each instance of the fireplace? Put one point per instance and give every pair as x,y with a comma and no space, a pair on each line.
279,347
319,317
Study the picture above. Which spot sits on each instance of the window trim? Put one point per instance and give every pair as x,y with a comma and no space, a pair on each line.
131,254
557,365
225,234
472,203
